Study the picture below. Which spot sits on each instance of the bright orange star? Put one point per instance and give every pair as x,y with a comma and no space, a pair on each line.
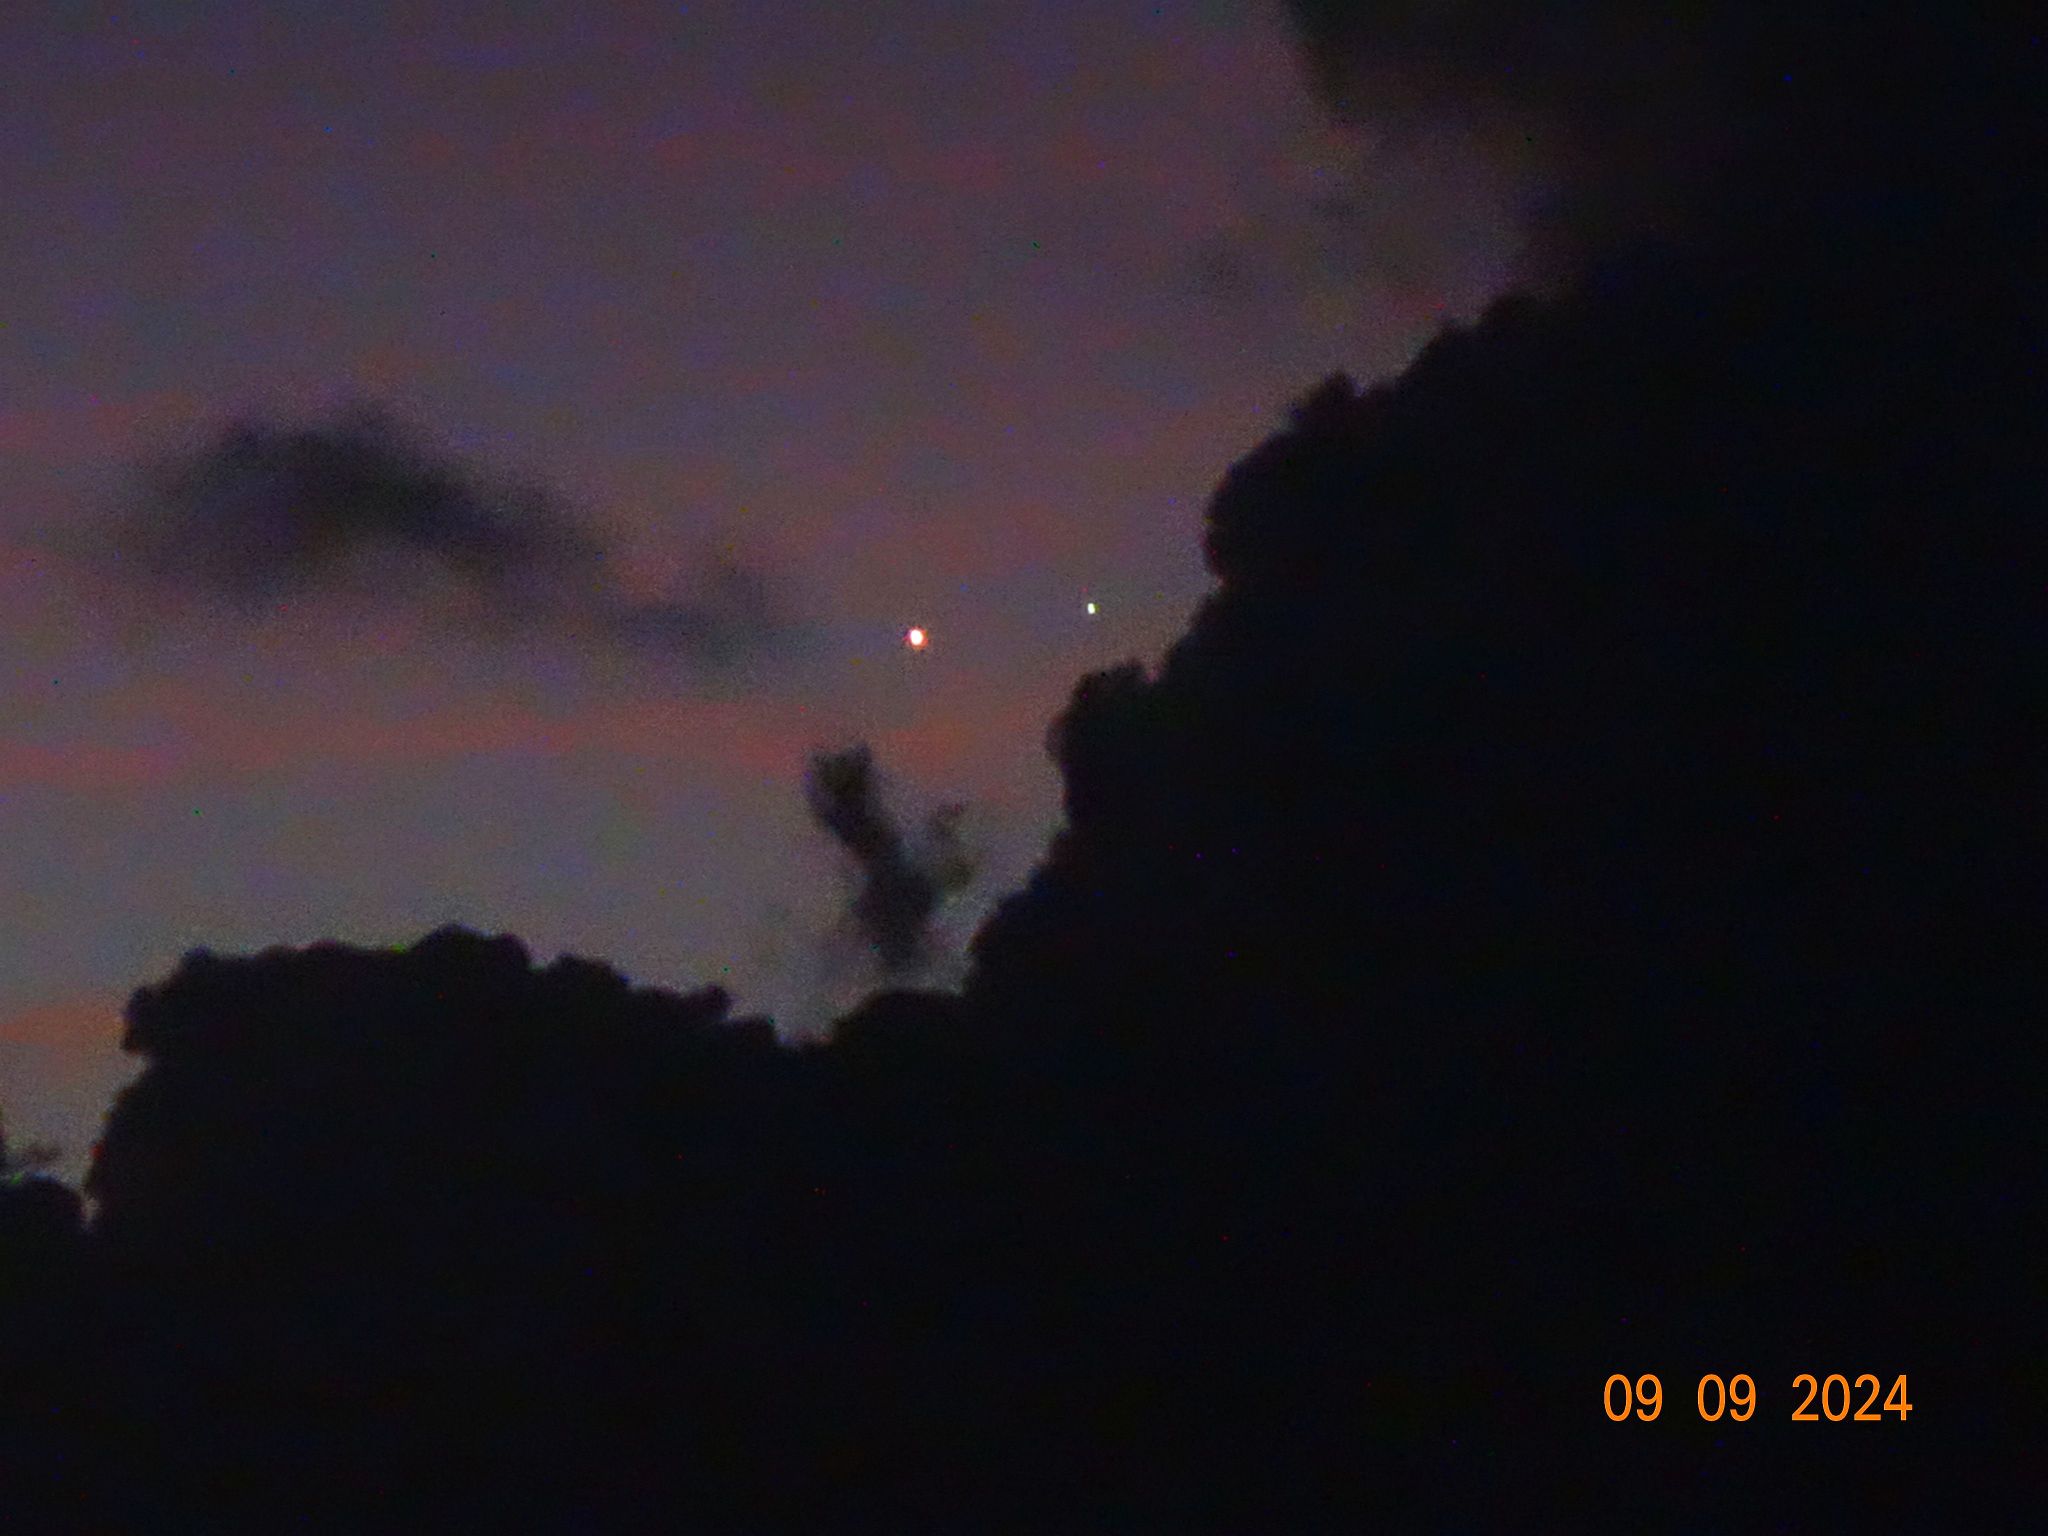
915,638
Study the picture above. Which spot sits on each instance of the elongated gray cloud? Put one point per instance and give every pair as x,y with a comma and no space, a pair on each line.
365,505
900,883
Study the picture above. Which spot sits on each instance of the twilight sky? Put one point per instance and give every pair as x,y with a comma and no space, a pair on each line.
923,313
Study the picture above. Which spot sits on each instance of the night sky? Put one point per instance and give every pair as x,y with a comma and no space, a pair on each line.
908,315
1158,767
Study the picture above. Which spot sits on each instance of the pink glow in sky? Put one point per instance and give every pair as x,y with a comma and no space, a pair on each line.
956,312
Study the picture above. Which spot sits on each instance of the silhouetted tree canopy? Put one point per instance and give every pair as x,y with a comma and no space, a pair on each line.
900,881
1570,904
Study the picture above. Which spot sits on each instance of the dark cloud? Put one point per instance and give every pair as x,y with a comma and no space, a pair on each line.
1623,120
265,512
364,506
1569,903
1374,58
1572,895
1430,220
1442,103
900,885
1601,764
732,612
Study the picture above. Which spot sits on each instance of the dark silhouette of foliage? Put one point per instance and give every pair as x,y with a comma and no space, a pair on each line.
901,882
1569,905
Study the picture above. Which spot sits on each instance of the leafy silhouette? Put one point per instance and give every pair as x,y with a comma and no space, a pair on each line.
1568,905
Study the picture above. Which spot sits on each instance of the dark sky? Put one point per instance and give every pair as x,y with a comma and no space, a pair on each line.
917,313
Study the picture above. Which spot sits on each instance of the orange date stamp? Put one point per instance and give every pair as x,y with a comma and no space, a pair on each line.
1736,1398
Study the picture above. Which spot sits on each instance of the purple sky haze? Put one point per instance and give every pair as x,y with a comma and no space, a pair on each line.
930,313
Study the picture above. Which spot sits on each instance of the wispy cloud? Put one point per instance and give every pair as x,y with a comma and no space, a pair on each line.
365,508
